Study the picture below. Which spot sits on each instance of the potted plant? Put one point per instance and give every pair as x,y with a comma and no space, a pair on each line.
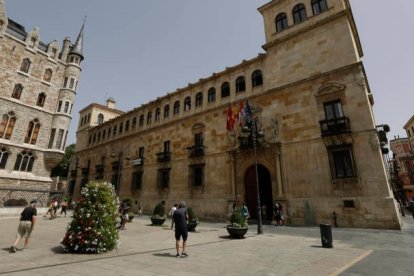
158,215
192,220
237,226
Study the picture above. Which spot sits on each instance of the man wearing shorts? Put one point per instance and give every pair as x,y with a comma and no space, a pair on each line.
27,222
180,217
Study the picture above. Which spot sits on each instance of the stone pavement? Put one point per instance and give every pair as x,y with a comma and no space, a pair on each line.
148,250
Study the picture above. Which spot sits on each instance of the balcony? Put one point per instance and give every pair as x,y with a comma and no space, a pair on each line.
137,161
164,156
196,151
85,171
335,126
115,165
99,168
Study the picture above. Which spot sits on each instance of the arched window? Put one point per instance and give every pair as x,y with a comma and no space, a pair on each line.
47,76
121,127
211,95
25,66
100,119
257,78
32,132
134,122
199,99
7,124
157,115
109,132
176,108
127,126
149,117
115,130
319,6
41,98
103,134
299,13
240,84
3,157
281,22
24,162
166,111
225,90
187,103
17,91
141,120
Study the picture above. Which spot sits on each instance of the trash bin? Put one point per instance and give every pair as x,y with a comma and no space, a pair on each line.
326,235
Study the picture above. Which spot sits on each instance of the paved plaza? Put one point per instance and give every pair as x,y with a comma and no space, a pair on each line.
148,250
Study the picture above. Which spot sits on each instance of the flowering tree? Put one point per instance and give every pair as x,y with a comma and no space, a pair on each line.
94,224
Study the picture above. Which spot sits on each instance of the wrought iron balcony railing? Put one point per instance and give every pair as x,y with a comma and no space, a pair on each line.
164,156
335,126
196,151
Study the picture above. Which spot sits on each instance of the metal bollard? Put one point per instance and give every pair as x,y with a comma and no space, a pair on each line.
326,235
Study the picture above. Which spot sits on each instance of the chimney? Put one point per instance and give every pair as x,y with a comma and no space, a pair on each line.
110,103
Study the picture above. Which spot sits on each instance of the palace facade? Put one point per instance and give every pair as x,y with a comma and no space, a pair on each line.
38,83
311,136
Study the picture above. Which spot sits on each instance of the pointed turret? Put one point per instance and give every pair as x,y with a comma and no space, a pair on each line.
78,47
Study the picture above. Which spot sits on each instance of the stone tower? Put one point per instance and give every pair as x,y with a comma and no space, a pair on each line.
38,83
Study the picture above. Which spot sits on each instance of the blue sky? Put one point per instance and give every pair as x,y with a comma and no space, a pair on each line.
136,51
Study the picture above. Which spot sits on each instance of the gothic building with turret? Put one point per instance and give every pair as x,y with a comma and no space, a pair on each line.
293,125
38,83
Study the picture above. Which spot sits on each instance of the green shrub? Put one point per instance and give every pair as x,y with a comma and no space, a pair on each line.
237,220
159,211
93,228
128,201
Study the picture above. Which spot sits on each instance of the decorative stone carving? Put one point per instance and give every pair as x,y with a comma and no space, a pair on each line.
330,88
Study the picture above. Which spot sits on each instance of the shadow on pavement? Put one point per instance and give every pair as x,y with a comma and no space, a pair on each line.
164,255
58,250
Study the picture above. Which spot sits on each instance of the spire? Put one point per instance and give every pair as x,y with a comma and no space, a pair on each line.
3,15
78,47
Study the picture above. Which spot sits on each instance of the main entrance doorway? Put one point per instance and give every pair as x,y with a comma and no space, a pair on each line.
265,187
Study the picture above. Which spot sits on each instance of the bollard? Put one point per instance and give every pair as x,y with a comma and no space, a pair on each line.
326,235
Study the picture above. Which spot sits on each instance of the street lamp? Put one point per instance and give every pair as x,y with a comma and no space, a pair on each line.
252,128
120,156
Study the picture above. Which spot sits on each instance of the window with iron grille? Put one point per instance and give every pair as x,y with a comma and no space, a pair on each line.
164,178
137,180
341,160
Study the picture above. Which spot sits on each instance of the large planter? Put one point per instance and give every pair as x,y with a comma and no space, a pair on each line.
191,226
157,221
236,232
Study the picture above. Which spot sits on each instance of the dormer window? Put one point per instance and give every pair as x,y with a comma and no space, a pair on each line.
299,13
54,52
32,42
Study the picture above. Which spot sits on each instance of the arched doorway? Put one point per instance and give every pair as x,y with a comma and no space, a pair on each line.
265,187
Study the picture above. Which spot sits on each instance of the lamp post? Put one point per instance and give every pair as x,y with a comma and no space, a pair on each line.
254,133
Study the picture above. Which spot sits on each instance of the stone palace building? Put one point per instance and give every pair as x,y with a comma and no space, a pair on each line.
38,83
311,131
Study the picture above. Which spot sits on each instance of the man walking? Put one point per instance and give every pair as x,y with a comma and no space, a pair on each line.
180,217
27,222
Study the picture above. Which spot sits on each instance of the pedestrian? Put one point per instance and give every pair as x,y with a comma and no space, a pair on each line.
181,219
278,214
123,210
171,213
140,209
245,211
26,225
63,205
52,209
